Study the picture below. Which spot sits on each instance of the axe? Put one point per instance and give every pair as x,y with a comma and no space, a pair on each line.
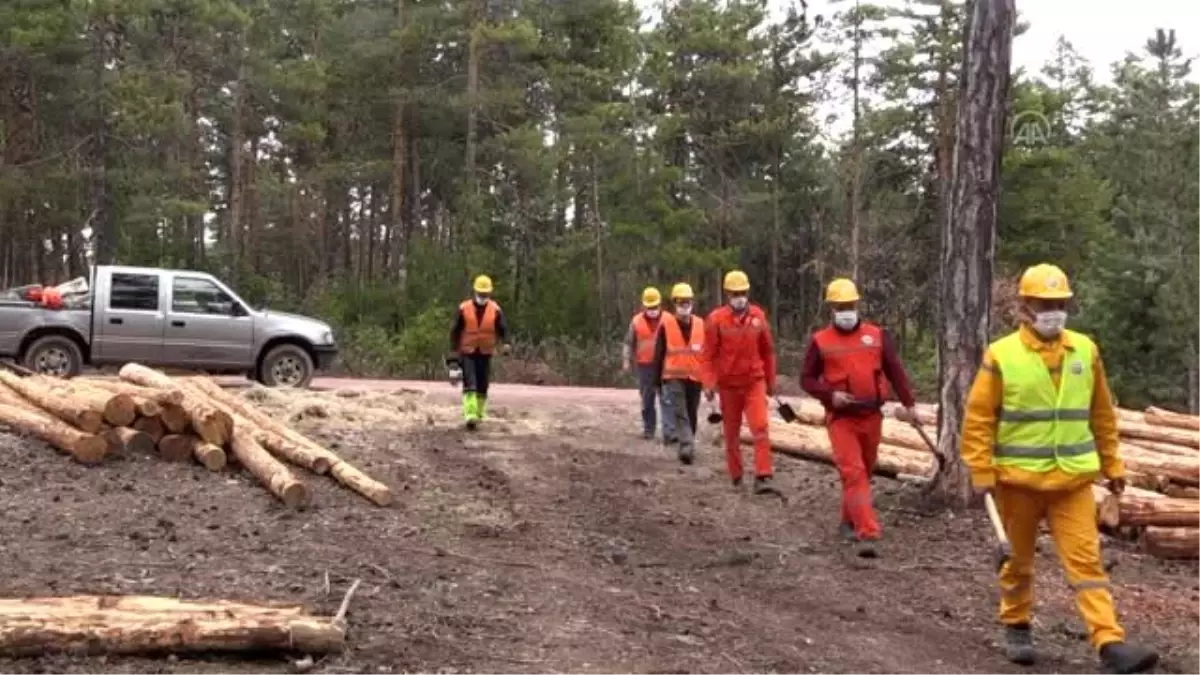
1003,548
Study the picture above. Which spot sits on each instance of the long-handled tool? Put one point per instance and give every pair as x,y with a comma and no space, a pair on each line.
941,461
714,414
1003,548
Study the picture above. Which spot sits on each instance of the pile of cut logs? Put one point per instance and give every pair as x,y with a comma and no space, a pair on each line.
178,419
1161,450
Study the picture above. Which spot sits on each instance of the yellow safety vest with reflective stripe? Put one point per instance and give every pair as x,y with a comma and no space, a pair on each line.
1042,427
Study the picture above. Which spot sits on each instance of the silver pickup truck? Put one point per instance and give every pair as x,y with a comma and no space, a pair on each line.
166,318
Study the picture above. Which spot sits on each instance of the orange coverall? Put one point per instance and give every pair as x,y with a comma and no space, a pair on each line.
859,362
1024,498
739,362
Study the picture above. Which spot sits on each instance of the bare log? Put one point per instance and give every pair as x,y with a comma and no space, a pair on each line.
1164,448
1159,416
1181,492
209,424
277,445
175,448
812,443
130,440
343,471
1142,507
110,625
84,447
151,426
269,471
212,457
174,418
117,409
1181,543
1182,470
66,408
1160,434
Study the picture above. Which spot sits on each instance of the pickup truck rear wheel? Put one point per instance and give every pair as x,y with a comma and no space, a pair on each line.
287,366
54,355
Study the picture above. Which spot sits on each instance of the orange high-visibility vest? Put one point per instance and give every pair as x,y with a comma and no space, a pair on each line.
682,361
478,337
644,334
853,361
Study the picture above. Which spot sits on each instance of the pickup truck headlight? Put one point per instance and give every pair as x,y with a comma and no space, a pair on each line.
327,338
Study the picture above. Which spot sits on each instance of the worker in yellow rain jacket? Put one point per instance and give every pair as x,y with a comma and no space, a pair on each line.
1039,428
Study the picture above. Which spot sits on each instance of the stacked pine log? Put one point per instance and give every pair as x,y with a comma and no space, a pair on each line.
1161,450
179,419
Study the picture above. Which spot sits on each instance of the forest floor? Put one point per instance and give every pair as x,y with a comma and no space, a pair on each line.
553,539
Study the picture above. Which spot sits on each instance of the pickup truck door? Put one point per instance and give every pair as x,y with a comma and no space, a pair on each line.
206,327
128,319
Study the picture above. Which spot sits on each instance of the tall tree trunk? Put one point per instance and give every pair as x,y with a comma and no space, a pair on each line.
969,230
856,147
776,233
474,46
237,166
399,158
104,232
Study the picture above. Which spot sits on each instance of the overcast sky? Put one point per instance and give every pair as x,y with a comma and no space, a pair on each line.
1102,31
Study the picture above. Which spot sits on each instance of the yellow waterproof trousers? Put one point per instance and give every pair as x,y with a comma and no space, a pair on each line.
1072,518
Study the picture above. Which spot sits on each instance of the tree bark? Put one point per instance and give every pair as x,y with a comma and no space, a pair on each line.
116,408
1172,419
969,230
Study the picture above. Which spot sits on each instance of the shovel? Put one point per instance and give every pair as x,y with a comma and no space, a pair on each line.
1003,548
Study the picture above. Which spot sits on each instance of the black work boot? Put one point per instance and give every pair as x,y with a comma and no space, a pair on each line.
846,531
762,486
1018,644
737,482
1122,657
686,455
866,548
648,435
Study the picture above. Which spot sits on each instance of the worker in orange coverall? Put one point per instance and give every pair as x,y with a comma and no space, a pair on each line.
739,361
847,368
1038,429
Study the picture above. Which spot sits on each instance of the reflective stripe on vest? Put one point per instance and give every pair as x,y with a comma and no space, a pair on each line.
644,334
682,360
478,336
1042,427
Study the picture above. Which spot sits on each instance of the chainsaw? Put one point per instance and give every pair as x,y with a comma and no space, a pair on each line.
454,370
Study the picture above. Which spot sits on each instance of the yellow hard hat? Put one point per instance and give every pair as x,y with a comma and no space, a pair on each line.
1044,281
483,284
651,297
841,290
737,281
682,291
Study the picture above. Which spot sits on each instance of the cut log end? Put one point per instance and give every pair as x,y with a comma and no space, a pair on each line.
294,494
174,418
120,410
90,421
1177,543
151,426
90,450
175,448
212,457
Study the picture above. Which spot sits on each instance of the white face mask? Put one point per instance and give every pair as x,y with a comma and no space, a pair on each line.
481,300
652,314
1049,324
683,310
739,302
846,319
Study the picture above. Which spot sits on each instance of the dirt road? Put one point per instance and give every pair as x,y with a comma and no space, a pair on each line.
554,539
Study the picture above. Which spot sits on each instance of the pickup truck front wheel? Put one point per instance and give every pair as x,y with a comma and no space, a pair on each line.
287,366
54,355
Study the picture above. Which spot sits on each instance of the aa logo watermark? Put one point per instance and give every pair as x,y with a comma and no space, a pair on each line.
1029,128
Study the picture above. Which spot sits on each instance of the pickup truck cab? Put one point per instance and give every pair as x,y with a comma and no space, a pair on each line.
169,318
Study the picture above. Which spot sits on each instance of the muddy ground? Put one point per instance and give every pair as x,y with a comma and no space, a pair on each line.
554,539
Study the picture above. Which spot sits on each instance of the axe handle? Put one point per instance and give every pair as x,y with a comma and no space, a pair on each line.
994,516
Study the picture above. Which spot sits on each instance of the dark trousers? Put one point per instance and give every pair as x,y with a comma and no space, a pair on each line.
477,373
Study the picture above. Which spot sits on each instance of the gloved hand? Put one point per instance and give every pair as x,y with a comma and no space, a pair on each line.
770,391
505,349
1116,486
841,399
